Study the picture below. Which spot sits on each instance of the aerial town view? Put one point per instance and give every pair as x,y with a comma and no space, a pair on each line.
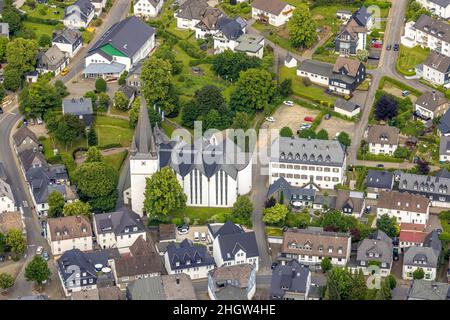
224,150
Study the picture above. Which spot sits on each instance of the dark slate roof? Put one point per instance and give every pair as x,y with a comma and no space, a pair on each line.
185,251
128,91
85,7
231,243
428,290
28,156
444,124
81,106
143,145
379,179
225,229
316,67
362,16
22,134
429,25
444,173
66,36
292,277
150,288
128,36
3,175
346,105
117,222
289,191
379,243
85,261
442,3
438,61
432,241
431,101
230,28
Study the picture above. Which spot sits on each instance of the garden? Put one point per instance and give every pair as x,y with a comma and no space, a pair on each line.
409,58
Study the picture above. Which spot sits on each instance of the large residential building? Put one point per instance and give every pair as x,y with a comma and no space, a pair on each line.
212,171
382,139
81,108
291,281
425,257
190,13
440,8
236,282
228,32
68,40
67,233
377,181
436,189
428,290
378,247
79,14
118,229
430,105
25,139
310,246
405,207
436,68
305,161
275,12
428,32
232,245
147,8
292,196
120,48
53,60
185,257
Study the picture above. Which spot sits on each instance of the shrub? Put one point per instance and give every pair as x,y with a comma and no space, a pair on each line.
100,85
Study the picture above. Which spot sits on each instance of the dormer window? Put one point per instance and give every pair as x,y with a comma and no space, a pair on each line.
127,230
135,228
177,264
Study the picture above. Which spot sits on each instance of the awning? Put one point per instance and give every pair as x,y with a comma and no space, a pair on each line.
104,68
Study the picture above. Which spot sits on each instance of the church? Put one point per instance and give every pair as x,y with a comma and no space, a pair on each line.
212,171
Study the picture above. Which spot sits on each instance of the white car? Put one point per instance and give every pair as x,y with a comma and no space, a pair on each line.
39,250
288,103
196,236
270,119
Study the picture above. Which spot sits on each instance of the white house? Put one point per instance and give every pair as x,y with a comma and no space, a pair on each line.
290,61
232,245
121,47
276,12
310,246
436,68
440,8
321,163
212,171
347,108
228,33
382,139
99,5
185,257
411,235
430,105
7,203
147,8
68,40
79,14
67,233
316,71
377,181
444,149
378,247
405,207
199,16
118,229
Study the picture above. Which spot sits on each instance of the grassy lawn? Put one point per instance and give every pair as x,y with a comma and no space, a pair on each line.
274,231
111,130
39,28
201,215
409,58
311,92
44,12
181,33
118,112
116,160
278,35
168,128
242,10
324,57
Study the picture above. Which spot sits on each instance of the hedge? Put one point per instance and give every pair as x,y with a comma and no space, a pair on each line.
191,50
398,84
42,20
110,146
377,157
325,110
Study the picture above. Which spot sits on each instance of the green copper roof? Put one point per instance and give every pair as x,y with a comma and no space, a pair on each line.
110,50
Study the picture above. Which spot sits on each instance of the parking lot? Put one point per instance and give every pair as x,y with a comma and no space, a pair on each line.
335,125
291,117
190,234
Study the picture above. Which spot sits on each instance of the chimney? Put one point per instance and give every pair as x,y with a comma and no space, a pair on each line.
434,94
177,280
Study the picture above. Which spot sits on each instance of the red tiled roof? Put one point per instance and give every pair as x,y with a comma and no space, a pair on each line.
412,227
412,236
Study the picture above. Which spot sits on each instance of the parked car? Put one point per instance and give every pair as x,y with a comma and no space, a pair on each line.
196,236
368,209
39,250
39,121
1,110
270,119
203,236
274,265
183,229
288,103
309,119
25,122
305,126
45,256
405,93
439,231
396,47
31,121
395,254
64,72
327,116
389,47
380,165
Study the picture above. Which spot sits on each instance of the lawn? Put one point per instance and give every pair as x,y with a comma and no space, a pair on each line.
44,12
274,232
39,28
311,92
201,215
112,130
180,33
278,35
116,160
409,58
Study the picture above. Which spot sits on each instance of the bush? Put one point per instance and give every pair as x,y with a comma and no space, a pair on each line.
191,50
100,85
306,81
286,132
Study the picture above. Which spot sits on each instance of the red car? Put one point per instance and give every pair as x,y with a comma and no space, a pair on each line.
309,119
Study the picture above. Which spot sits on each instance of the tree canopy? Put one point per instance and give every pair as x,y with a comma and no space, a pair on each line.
302,27
37,270
16,241
275,214
56,204
242,211
229,64
77,208
386,107
388,225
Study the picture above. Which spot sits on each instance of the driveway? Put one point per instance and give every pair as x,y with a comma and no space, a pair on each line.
291,117
335,125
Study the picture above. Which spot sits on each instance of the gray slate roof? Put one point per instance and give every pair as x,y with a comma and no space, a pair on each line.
431,101
293,276
444,124
434,27
187,251
430,184
346,105
379,179
4,29
81,106
379,244
143,145
231,240
438,61
316,67
308,151
289,191
150,288
231,28
444,146
428,290
362,16
117,222
66,36
24,133
85,8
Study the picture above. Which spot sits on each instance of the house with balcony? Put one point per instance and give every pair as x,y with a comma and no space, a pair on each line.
405,207
376,250
430,105
436,68
67,233
274,12
440,8
382,139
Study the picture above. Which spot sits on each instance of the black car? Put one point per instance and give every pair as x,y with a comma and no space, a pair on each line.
1,110
395,254
396,47
389,47
274,265
380,165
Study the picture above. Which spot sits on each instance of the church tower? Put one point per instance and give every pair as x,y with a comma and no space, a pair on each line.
144,160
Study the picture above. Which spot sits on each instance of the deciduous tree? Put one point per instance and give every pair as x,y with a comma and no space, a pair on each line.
55,204
275,214
16,241
302,27
94,155
242,211
388,225
77,208
6,281
37,270
120,100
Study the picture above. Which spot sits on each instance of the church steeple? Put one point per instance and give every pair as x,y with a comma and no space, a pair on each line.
143,140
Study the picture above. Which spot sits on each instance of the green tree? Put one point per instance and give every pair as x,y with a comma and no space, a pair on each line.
302,28
120,100
12,17
3,42
103,101
93,96
241,121
190,114
21,55
55,204
229,64
388,225
334,220
344,139
286,132
38,98
326,265
2,92
2,243
418,274
285,88
97,185
66,128
362,55
11,78
359,287
163,194
307,134
37,270
123,78
275,214
6,281
322,135
16,241
77,208
254,89
390,279
61,89
94,155
214,120
401,152
339,284
242,211
133,114
385,292
45,41
209,98
100,85
92,137
166,52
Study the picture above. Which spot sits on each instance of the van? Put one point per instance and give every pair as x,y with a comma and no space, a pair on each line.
203,236
405,93
196,236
